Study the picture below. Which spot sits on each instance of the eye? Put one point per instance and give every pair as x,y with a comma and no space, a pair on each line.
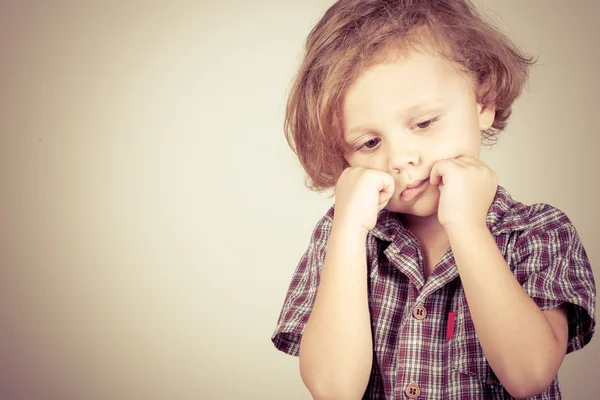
371,144
424,125
427,124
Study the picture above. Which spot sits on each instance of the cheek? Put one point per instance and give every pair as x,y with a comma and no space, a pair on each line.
445,150
353,161
461,137
472,146
462,144
370,161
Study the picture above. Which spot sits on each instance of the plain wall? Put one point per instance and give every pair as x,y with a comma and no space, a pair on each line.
152,215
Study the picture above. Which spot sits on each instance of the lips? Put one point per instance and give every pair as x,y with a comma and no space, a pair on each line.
413,190
415,184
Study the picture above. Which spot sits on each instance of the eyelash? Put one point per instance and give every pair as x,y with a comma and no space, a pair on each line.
429,123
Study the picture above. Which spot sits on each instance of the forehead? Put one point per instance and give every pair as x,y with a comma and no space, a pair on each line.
400,86
400,83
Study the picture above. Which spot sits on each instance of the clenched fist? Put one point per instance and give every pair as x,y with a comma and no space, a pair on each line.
467,189
360,194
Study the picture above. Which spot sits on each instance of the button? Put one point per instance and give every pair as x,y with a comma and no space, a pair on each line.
412,391
420,312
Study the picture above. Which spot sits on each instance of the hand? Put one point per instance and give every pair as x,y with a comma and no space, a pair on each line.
467,189
360,194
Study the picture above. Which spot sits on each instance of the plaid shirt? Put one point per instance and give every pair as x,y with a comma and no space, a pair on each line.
409,315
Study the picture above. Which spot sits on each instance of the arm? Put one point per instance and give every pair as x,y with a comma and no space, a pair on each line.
336,350
524,345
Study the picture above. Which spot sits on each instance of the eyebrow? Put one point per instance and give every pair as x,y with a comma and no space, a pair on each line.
411,109
425,104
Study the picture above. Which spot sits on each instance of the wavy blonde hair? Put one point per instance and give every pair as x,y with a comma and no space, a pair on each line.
353,34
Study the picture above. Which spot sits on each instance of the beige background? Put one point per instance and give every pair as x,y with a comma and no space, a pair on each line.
151,214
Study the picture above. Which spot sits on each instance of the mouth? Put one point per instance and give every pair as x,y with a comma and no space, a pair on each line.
413,189
416,184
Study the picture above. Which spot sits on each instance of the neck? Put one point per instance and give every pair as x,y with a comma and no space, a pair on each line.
427,230
429,223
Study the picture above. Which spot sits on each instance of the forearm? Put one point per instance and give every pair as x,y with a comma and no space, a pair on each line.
336,350
515,335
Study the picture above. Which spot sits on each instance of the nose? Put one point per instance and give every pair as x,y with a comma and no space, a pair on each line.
401,157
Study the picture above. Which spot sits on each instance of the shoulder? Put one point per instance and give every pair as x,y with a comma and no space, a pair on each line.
510,215
541,237
322,229
319,237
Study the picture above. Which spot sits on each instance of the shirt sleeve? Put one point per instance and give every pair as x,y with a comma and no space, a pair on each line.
302,291
551,264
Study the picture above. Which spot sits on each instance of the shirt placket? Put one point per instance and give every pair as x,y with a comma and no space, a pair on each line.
411,353
410,357
410,340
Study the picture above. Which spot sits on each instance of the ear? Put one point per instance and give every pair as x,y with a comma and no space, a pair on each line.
486,108
487,114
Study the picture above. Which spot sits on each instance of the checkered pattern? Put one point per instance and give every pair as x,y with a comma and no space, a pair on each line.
541,247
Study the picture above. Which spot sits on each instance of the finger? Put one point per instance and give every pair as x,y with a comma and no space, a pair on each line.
384,199
438,171
387,187
463,163
466,161
386,184
381,207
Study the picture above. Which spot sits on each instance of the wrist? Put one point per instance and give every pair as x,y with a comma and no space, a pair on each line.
348,230
465,228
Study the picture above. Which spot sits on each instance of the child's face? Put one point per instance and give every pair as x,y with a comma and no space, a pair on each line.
404,115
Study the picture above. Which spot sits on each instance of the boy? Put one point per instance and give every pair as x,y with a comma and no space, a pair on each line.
426,279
